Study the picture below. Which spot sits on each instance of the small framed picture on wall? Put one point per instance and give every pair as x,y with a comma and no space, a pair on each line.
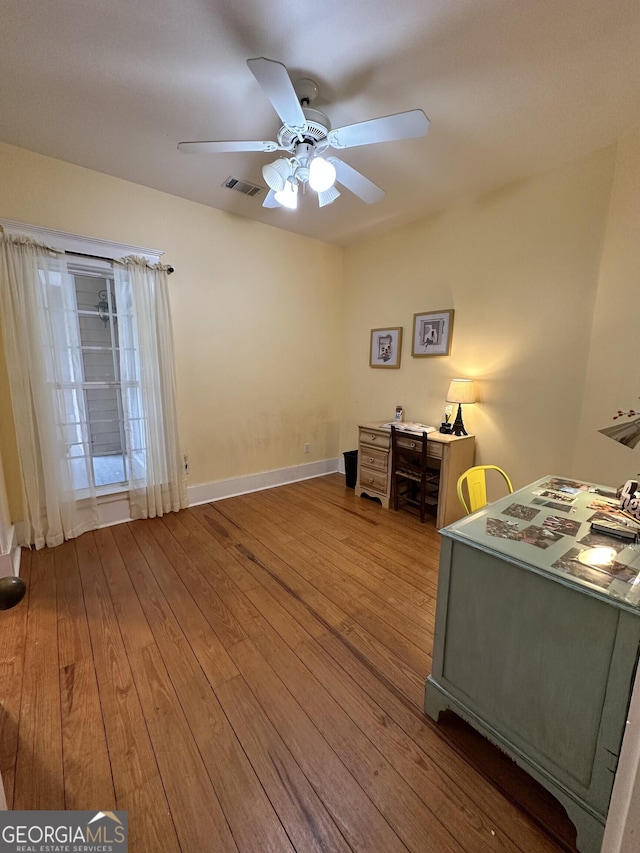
385,348
432,333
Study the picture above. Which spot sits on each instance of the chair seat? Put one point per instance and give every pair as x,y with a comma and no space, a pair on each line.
412,474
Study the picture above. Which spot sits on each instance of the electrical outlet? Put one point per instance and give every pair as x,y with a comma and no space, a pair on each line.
307,447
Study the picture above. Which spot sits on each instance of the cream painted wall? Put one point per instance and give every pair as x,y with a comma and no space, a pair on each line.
613,375
520,269
257,329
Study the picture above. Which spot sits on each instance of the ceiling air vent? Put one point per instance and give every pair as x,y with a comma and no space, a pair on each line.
242,186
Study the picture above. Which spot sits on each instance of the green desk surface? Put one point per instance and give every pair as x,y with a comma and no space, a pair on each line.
546,528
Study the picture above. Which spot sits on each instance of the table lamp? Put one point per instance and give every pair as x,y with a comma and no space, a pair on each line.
460,391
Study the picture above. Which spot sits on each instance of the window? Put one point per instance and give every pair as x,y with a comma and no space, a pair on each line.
100,369
87,335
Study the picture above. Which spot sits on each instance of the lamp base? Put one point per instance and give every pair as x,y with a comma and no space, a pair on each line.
458,426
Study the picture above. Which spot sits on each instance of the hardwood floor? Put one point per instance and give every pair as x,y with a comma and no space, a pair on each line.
248,675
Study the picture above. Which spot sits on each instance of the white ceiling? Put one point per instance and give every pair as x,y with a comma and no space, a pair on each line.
512,87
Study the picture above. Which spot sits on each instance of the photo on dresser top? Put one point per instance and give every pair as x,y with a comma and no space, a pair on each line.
601,540
502,529
566,526
570,564
558,497
604,493
572,487
552,505
604,506
612,516
526,513
541,537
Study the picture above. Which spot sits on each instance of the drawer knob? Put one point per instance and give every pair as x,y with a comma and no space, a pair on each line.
371,479
373,437
371,459
413,444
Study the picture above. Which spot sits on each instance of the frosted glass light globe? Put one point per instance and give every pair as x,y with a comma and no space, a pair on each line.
288,197
322,174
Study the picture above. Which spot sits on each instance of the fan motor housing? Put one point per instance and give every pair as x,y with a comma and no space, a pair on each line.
316,130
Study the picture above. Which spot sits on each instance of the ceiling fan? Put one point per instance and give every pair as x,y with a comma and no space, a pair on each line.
305,137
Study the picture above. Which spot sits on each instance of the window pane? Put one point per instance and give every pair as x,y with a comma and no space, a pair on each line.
133,402
99,365
94,332
91,290
80,473
108,470
136,434
138,465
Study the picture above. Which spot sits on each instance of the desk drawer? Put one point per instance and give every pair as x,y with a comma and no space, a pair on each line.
374,480
372,457
377,439
434,448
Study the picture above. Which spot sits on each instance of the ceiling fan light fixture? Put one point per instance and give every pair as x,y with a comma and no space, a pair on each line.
288,197
326,197
276,174
322,175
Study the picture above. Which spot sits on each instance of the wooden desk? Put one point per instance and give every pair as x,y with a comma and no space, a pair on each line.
452,453
536,649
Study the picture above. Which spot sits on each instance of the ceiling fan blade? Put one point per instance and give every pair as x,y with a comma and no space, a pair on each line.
274,79
356,182
225,146
270,200
386,129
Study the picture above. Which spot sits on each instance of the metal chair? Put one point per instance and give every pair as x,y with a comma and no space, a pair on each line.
412,480
475,479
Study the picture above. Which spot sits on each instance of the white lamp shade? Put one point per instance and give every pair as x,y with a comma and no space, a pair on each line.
461,391
322,174
276,174
288,197
326,197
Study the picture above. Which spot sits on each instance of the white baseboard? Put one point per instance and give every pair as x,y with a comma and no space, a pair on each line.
221,489
114,509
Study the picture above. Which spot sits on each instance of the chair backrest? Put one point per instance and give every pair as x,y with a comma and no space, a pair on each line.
408,451
475,479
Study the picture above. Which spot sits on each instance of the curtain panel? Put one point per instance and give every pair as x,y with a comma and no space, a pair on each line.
155,461
42,347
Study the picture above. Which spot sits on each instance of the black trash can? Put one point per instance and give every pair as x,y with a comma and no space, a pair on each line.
351,467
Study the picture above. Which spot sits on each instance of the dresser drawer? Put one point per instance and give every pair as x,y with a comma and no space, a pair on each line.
374,480
376,439
411,442
434,450
373,457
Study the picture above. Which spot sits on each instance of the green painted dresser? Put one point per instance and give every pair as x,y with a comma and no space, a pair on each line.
537,638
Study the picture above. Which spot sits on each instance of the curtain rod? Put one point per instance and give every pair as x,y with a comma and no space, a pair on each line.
96,257
101,258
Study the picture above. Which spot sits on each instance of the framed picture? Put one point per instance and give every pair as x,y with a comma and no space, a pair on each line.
385,348
432,333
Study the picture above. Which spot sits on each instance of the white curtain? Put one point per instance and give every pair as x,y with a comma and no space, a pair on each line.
42,346
154,460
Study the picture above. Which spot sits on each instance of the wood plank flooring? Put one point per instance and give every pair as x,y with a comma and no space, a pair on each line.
248,675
